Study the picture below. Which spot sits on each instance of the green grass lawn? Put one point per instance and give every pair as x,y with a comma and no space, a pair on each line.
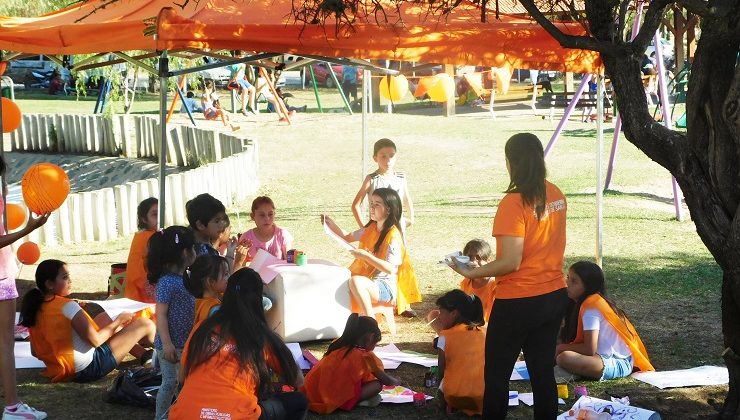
657,269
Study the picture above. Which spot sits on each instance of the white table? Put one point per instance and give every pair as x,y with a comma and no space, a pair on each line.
309,302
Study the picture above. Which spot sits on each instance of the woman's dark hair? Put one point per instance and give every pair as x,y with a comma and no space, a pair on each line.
356,328
382,143
259,201
141,211
477,248
32,300
3,166
241,320
593,282
392,201
203,268
164,250
527,170
469,307
203,208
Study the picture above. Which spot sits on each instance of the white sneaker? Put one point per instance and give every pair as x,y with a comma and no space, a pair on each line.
23,412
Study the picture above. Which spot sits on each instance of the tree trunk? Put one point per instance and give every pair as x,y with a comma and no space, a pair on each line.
704,161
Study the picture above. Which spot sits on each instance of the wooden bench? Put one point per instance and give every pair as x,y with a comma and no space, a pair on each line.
586,102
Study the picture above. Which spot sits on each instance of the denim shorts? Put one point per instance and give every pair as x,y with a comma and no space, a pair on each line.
616,367
102,364
244,84
385,294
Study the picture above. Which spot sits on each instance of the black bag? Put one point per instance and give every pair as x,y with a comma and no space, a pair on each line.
136,386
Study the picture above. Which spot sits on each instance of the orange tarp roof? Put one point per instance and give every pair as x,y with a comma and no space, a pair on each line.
267,26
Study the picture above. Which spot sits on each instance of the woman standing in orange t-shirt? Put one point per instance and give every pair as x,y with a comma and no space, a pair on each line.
529,228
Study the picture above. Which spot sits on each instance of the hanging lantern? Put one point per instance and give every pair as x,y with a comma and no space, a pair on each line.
443,88
394,88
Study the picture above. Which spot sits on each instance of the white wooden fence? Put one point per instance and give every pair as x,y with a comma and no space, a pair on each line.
133,136
110,213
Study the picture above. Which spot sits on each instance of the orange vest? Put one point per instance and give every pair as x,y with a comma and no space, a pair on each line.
203,309
625,330
487,294
407,287
51,340
464,360
335,379
136,274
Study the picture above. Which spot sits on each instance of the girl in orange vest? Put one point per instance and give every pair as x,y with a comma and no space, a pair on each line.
381,267
479,252
349,374
66,338
137,286
461,350
235,366
206,280
601,342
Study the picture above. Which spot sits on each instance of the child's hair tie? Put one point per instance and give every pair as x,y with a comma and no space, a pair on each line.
177,238
471,297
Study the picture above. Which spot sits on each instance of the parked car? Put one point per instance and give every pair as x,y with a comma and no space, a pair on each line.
219,75
21,70
666,49
323,77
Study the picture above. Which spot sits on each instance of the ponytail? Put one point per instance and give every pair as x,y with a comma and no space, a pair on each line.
34,298
469,307
356,327
164,250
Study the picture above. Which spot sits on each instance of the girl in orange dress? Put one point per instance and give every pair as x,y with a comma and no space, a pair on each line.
206,280
349,374
234,366
137,286
381,267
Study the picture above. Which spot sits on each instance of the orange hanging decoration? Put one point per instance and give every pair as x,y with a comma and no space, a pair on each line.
15,215
28,253
45,187
11,115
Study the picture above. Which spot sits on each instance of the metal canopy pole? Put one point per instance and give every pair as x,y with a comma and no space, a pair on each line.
163,79
599,152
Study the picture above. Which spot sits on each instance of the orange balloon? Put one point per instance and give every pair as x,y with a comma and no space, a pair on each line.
45,187
11,115
28,253
15,215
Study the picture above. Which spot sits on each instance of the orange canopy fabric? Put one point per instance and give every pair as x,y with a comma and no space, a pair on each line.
268,26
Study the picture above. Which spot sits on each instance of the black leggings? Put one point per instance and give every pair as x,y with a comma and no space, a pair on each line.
284,406
531,325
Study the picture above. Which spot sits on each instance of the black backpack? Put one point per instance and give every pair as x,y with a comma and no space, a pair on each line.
137,386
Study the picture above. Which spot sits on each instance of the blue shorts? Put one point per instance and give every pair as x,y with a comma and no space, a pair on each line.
385,294
102,364
615,367
244,84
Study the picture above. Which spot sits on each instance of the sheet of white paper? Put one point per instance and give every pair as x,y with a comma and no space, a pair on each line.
23,357
527,398
390,364
698,376
344,244
394,354
513,398
617,410
295,349
398,395
261,264
520,372
115,307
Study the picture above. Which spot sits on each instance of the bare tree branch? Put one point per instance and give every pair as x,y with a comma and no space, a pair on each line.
623,7
698,7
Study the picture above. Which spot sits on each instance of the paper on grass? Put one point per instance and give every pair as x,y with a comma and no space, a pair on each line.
617,410
262,263
527,398
295,350
344,244
398,395
520,372
698,376
513,398
23,357
394,354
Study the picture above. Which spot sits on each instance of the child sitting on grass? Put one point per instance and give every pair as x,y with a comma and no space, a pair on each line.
206,280
349,374
600,342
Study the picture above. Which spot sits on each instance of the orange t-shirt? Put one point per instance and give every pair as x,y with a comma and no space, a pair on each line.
486,294
136,274
203,309
541,269
464,360
217,390
334,380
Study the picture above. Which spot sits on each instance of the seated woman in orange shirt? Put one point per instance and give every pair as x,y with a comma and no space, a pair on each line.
234,366
137,286
66,338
